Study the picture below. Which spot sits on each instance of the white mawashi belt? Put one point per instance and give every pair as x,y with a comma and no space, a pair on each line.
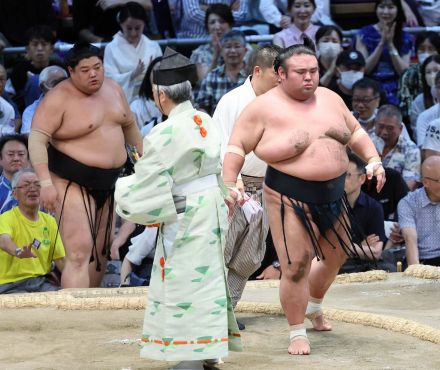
194,186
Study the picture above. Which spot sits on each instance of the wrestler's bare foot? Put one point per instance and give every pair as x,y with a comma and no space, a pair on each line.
299,346
320,323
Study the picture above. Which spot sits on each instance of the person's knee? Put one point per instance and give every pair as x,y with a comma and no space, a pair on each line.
78,259
299,268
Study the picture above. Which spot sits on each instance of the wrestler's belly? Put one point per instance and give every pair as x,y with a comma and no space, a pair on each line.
105,153
322,160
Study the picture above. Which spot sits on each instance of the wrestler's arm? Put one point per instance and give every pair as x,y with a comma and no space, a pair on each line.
245,136
46,121
361,144
132,135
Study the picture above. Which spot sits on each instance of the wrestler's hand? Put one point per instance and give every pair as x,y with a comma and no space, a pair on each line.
270,273
376,169
48,198
230,201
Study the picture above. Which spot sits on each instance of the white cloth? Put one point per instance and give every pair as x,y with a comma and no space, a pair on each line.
142,245
121,58
145,111
226,113
430,11
7,118
425,118
432,138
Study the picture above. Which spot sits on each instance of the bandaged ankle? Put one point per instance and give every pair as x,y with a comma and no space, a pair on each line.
313,306
297,331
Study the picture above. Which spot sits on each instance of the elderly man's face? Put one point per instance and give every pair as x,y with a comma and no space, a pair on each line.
233,51
388,128
27,190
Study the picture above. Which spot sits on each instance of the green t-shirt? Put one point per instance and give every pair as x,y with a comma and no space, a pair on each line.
22,232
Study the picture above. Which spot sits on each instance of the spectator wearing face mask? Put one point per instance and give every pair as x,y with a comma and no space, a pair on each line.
428,97
350,66
328,41
411,81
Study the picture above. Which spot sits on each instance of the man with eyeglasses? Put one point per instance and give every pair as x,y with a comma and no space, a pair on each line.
395,148
13,157
369,215
419,214
365,101
29,240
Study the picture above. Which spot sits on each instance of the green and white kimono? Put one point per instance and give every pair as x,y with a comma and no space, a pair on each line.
189,314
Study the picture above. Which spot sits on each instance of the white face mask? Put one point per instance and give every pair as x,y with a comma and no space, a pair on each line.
422,57
348,78
329,49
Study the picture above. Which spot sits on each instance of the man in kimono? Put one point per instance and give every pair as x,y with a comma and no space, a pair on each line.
177,184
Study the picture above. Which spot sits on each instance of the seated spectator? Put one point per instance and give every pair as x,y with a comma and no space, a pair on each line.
429,115
146,112
47,80
368,214
350,66
130,52
396,149
410,84
95,20
427,98
275,12
218,21
365,101
29,240
7,97
7,118
328,42
301,11
386,47
13,157
39,47
395,188
225,77
191,15
419,213
431,144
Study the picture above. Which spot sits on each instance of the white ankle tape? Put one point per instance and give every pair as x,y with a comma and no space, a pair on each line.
297,331
313,306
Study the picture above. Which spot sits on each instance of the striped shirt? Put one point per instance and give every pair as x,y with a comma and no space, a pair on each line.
417,211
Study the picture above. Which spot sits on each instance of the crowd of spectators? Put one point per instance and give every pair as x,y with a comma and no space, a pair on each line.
388,77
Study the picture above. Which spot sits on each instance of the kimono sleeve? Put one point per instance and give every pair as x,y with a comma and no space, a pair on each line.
145,197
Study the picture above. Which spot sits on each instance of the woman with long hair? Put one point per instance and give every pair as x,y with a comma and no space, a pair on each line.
386,47
425,100
130,52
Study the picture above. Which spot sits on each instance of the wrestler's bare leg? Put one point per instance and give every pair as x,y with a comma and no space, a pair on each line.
96,276
294,289
76,236
323,273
